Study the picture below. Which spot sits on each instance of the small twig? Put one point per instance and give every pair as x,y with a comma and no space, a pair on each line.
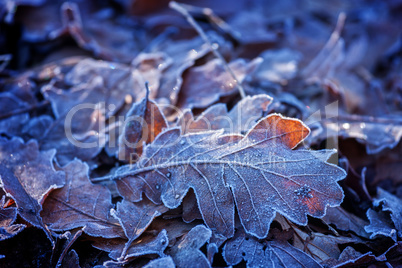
214,20
179,8
330,45
70,243
25,110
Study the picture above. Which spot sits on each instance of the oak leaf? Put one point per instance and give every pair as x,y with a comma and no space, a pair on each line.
79,204
259,172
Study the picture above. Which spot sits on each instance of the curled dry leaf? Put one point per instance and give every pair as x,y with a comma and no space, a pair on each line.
72,25
204,85
387,221
7,228
380,224
391,204
259,172
143,123
79,204
351,258
28,176
392,257
183,53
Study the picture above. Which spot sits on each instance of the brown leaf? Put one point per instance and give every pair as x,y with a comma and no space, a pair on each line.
183,53
260,172
79,204
143,123
28,176
204,85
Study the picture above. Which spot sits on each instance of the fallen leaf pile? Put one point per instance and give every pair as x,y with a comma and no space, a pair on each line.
221,133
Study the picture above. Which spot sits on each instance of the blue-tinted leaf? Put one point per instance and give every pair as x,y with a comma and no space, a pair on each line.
28,176
135,218
13,124
380,224
264,254
391,204
165,262
78,131
186,253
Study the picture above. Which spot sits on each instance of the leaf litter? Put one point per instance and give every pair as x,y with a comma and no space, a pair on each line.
249,134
